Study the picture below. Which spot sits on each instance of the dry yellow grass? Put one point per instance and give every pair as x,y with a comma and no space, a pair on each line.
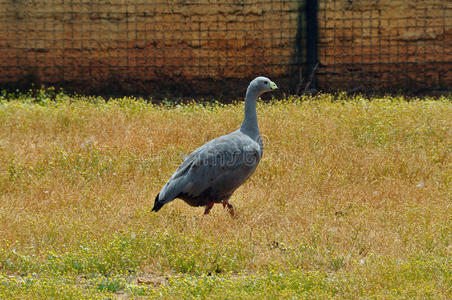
357,191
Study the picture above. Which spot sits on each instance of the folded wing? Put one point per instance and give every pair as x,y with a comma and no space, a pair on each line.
218,167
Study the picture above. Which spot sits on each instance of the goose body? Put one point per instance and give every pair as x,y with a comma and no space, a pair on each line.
212,173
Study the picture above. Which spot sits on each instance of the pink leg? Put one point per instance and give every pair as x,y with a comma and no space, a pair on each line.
208,207
230,207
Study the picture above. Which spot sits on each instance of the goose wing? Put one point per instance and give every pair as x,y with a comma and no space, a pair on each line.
220,166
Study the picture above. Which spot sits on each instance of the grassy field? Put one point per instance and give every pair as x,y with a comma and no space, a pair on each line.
351,200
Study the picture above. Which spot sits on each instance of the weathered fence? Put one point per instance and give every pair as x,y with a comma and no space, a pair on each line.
213,47
385,44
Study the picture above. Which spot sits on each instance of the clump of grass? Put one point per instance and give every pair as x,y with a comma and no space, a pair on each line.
351,199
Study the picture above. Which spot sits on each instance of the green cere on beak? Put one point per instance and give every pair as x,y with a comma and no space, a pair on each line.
273,85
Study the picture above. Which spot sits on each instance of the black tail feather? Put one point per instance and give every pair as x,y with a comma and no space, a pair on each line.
157,204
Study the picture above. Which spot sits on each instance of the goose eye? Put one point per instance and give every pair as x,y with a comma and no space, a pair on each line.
265,82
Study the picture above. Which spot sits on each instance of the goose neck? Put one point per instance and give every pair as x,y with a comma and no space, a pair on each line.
249,125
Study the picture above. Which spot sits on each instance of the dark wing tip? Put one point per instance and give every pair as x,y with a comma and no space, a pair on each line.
157,204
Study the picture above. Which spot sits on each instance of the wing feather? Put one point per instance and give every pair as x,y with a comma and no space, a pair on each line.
222,165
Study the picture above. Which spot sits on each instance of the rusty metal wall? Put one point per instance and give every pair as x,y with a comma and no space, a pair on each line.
211,47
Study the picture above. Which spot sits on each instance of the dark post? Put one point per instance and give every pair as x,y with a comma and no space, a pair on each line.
312,35
297,58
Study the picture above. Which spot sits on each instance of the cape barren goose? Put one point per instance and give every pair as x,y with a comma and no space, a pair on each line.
211,173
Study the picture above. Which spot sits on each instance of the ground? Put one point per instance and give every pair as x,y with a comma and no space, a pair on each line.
351,200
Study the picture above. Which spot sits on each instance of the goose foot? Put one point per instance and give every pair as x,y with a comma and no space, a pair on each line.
229,206
208,207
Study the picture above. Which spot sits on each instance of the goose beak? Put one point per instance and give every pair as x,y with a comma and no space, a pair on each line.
273,86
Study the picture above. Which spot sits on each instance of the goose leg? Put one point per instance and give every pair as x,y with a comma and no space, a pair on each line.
208,207
229,206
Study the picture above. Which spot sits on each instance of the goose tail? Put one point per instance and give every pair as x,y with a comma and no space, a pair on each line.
157,204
